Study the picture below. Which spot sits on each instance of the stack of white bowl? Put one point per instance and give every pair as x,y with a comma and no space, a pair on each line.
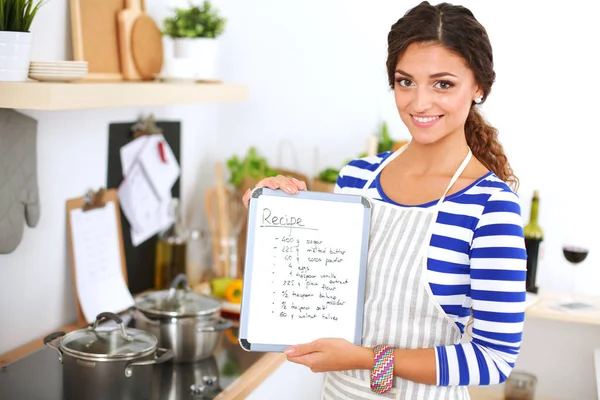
58,71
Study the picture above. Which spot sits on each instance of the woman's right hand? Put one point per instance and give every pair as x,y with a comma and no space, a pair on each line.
288,185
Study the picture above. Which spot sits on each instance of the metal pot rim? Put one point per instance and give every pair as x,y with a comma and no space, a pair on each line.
106,357
103,357
151,312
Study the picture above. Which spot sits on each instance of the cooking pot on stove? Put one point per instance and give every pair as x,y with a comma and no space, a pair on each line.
189,323
109,362
176,381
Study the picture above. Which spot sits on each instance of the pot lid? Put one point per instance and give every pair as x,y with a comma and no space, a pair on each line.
177,303
113,343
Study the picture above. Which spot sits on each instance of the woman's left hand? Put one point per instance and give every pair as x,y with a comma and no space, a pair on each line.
325,355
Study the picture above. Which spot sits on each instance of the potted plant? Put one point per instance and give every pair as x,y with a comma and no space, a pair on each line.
194,31
16,17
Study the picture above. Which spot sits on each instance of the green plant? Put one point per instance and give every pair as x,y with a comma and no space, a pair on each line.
195,22
329,175
384,140
252,166
17,15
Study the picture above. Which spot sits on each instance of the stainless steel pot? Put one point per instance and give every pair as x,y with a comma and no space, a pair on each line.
107,363
188,323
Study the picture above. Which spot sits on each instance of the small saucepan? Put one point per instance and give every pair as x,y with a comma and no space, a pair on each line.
107,363
189,323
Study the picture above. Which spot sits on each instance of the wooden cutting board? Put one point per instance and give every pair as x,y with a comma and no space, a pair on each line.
147,47
125,20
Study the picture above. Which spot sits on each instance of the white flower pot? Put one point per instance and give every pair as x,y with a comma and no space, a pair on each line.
15,53
203,52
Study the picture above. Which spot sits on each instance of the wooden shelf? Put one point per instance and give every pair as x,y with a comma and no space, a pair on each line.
86,95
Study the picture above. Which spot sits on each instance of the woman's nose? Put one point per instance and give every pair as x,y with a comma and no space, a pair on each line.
422,101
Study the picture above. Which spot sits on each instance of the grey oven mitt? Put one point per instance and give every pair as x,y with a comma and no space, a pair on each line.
18,177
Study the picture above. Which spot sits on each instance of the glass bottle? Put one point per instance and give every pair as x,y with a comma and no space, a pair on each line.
534,235
171,250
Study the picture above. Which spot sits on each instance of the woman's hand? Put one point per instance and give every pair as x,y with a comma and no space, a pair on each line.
288,185
325,355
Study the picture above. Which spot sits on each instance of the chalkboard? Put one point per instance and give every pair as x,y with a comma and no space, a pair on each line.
305,268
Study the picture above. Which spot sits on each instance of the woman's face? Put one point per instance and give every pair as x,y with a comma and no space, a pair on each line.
434,89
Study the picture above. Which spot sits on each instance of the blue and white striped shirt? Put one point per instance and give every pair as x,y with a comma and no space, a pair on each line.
476,260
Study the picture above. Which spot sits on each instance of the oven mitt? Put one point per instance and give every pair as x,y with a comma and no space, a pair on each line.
18,178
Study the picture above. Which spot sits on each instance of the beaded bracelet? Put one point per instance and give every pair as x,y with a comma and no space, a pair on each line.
383,370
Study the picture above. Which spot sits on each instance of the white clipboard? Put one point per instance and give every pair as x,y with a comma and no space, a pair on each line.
305,268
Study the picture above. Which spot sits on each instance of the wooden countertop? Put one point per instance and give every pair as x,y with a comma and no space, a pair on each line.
547,305
492,393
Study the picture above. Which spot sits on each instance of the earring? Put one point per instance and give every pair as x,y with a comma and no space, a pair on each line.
479,99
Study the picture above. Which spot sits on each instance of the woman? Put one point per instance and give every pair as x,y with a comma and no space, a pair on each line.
446,240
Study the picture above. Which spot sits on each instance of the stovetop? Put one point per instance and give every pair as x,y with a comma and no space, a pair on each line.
39,376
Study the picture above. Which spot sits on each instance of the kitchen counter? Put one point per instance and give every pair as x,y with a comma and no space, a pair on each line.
231,373
239,372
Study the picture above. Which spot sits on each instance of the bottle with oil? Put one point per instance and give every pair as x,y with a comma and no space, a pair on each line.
171,250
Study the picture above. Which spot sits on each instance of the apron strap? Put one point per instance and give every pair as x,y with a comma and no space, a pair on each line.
381,166
457,174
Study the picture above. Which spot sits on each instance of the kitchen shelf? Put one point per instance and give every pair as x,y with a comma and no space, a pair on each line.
87,95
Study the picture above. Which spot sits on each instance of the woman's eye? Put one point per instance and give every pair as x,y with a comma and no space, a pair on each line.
444,85
404,82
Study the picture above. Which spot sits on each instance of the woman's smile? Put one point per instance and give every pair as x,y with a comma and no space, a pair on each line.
425,121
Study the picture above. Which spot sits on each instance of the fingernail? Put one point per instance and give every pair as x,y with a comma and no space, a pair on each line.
295,180
289,351
289,189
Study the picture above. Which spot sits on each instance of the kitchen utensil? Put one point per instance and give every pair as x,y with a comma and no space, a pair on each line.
226,217
95,37
107,363
210,207
146,47
126,19
222,210
188,323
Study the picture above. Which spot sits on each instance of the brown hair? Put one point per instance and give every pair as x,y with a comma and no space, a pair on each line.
456,28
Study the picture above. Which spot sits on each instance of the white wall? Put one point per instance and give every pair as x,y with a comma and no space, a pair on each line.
317,79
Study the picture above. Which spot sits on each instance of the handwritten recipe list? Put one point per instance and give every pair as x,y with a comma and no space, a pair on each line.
305,277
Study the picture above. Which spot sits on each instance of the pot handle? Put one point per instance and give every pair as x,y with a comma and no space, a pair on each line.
221,325
114,317
179,279
167,354
49,341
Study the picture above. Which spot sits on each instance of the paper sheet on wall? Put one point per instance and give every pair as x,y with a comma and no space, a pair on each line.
98,273
145,193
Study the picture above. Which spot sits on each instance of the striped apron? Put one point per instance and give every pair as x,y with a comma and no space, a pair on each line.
400,309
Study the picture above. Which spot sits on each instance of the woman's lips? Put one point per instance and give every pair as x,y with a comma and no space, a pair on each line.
425,121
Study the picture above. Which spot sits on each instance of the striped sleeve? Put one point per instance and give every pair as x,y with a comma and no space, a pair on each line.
497,275
354,175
